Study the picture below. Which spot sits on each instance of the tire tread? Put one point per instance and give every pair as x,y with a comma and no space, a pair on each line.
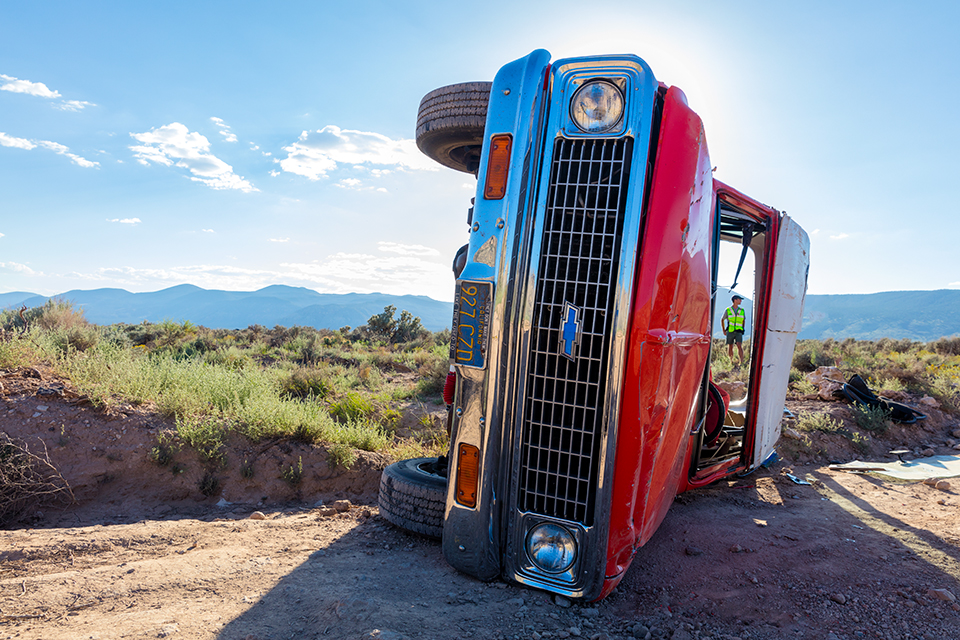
413,500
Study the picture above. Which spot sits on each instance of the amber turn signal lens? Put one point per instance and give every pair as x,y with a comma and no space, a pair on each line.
468,474
498,167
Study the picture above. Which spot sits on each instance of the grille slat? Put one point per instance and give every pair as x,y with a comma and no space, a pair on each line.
563,413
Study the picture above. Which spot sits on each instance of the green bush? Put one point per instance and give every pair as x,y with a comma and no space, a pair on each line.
306,383
205,435
164,451
433,372
873,419
351,407
17,351
821,422
293,473
342,455
809,355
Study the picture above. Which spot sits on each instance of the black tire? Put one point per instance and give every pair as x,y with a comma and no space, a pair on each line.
413,496
450,124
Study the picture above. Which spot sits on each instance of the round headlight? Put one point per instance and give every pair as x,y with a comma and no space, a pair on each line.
597,106
551,547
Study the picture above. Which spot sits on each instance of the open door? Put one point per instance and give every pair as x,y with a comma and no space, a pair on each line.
788,287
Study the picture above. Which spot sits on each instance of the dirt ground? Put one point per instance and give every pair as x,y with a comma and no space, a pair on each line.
145,554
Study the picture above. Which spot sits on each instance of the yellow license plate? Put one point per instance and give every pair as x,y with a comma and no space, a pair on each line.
471,319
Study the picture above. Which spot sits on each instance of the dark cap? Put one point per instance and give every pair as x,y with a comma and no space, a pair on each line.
736,297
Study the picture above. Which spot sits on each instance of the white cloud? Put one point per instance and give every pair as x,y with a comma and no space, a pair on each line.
174,144
1,235
840,236
19,268
205,276
56,147
208,230
349,183
952,284
125,220
407,249
62,150
279,239
40,90
224,130
74,105
37,89
16,143
317,153
383,274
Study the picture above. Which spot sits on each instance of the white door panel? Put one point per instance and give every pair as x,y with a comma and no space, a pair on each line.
788,289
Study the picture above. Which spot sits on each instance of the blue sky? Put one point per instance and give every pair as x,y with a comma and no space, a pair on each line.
234,145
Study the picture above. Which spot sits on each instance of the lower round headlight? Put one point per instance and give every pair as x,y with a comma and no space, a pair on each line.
597,106
551,547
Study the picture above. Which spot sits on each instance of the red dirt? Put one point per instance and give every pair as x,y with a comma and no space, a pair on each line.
145,554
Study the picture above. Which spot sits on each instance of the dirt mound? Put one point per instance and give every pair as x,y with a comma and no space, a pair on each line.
109,460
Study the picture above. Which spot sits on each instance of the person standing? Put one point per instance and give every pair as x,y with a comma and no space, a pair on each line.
733,323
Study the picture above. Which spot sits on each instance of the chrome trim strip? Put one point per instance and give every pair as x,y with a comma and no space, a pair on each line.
472,537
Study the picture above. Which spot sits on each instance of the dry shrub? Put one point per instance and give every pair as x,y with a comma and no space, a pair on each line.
946,346
27,480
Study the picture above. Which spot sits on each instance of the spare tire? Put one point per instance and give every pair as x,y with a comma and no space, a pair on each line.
413,496
450,124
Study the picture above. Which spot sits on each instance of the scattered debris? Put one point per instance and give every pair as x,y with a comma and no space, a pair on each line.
919,469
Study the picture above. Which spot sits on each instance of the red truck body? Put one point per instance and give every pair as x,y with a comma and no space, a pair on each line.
583,325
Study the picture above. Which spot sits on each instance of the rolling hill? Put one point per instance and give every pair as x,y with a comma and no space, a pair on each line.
270,306
913,315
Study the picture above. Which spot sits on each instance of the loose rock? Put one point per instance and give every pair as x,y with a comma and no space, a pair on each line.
257,515
941,594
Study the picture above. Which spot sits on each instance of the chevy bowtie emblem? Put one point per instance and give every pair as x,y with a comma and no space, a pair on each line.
570,331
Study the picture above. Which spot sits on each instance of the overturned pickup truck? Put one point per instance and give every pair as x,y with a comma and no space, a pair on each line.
581,395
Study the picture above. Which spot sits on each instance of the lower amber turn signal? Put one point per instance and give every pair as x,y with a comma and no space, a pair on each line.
468,474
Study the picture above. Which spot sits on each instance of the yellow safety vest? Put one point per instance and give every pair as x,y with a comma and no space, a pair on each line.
736,320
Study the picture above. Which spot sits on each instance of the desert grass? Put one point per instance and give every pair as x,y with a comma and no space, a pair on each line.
315,387
341,389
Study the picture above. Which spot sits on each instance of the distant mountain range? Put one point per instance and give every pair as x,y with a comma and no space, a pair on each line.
215,309
914,315
923,316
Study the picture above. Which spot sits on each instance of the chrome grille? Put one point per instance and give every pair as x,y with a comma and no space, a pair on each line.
578,263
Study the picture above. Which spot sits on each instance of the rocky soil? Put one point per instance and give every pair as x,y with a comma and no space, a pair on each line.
145,554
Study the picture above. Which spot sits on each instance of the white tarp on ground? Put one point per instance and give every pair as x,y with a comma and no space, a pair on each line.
920,469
